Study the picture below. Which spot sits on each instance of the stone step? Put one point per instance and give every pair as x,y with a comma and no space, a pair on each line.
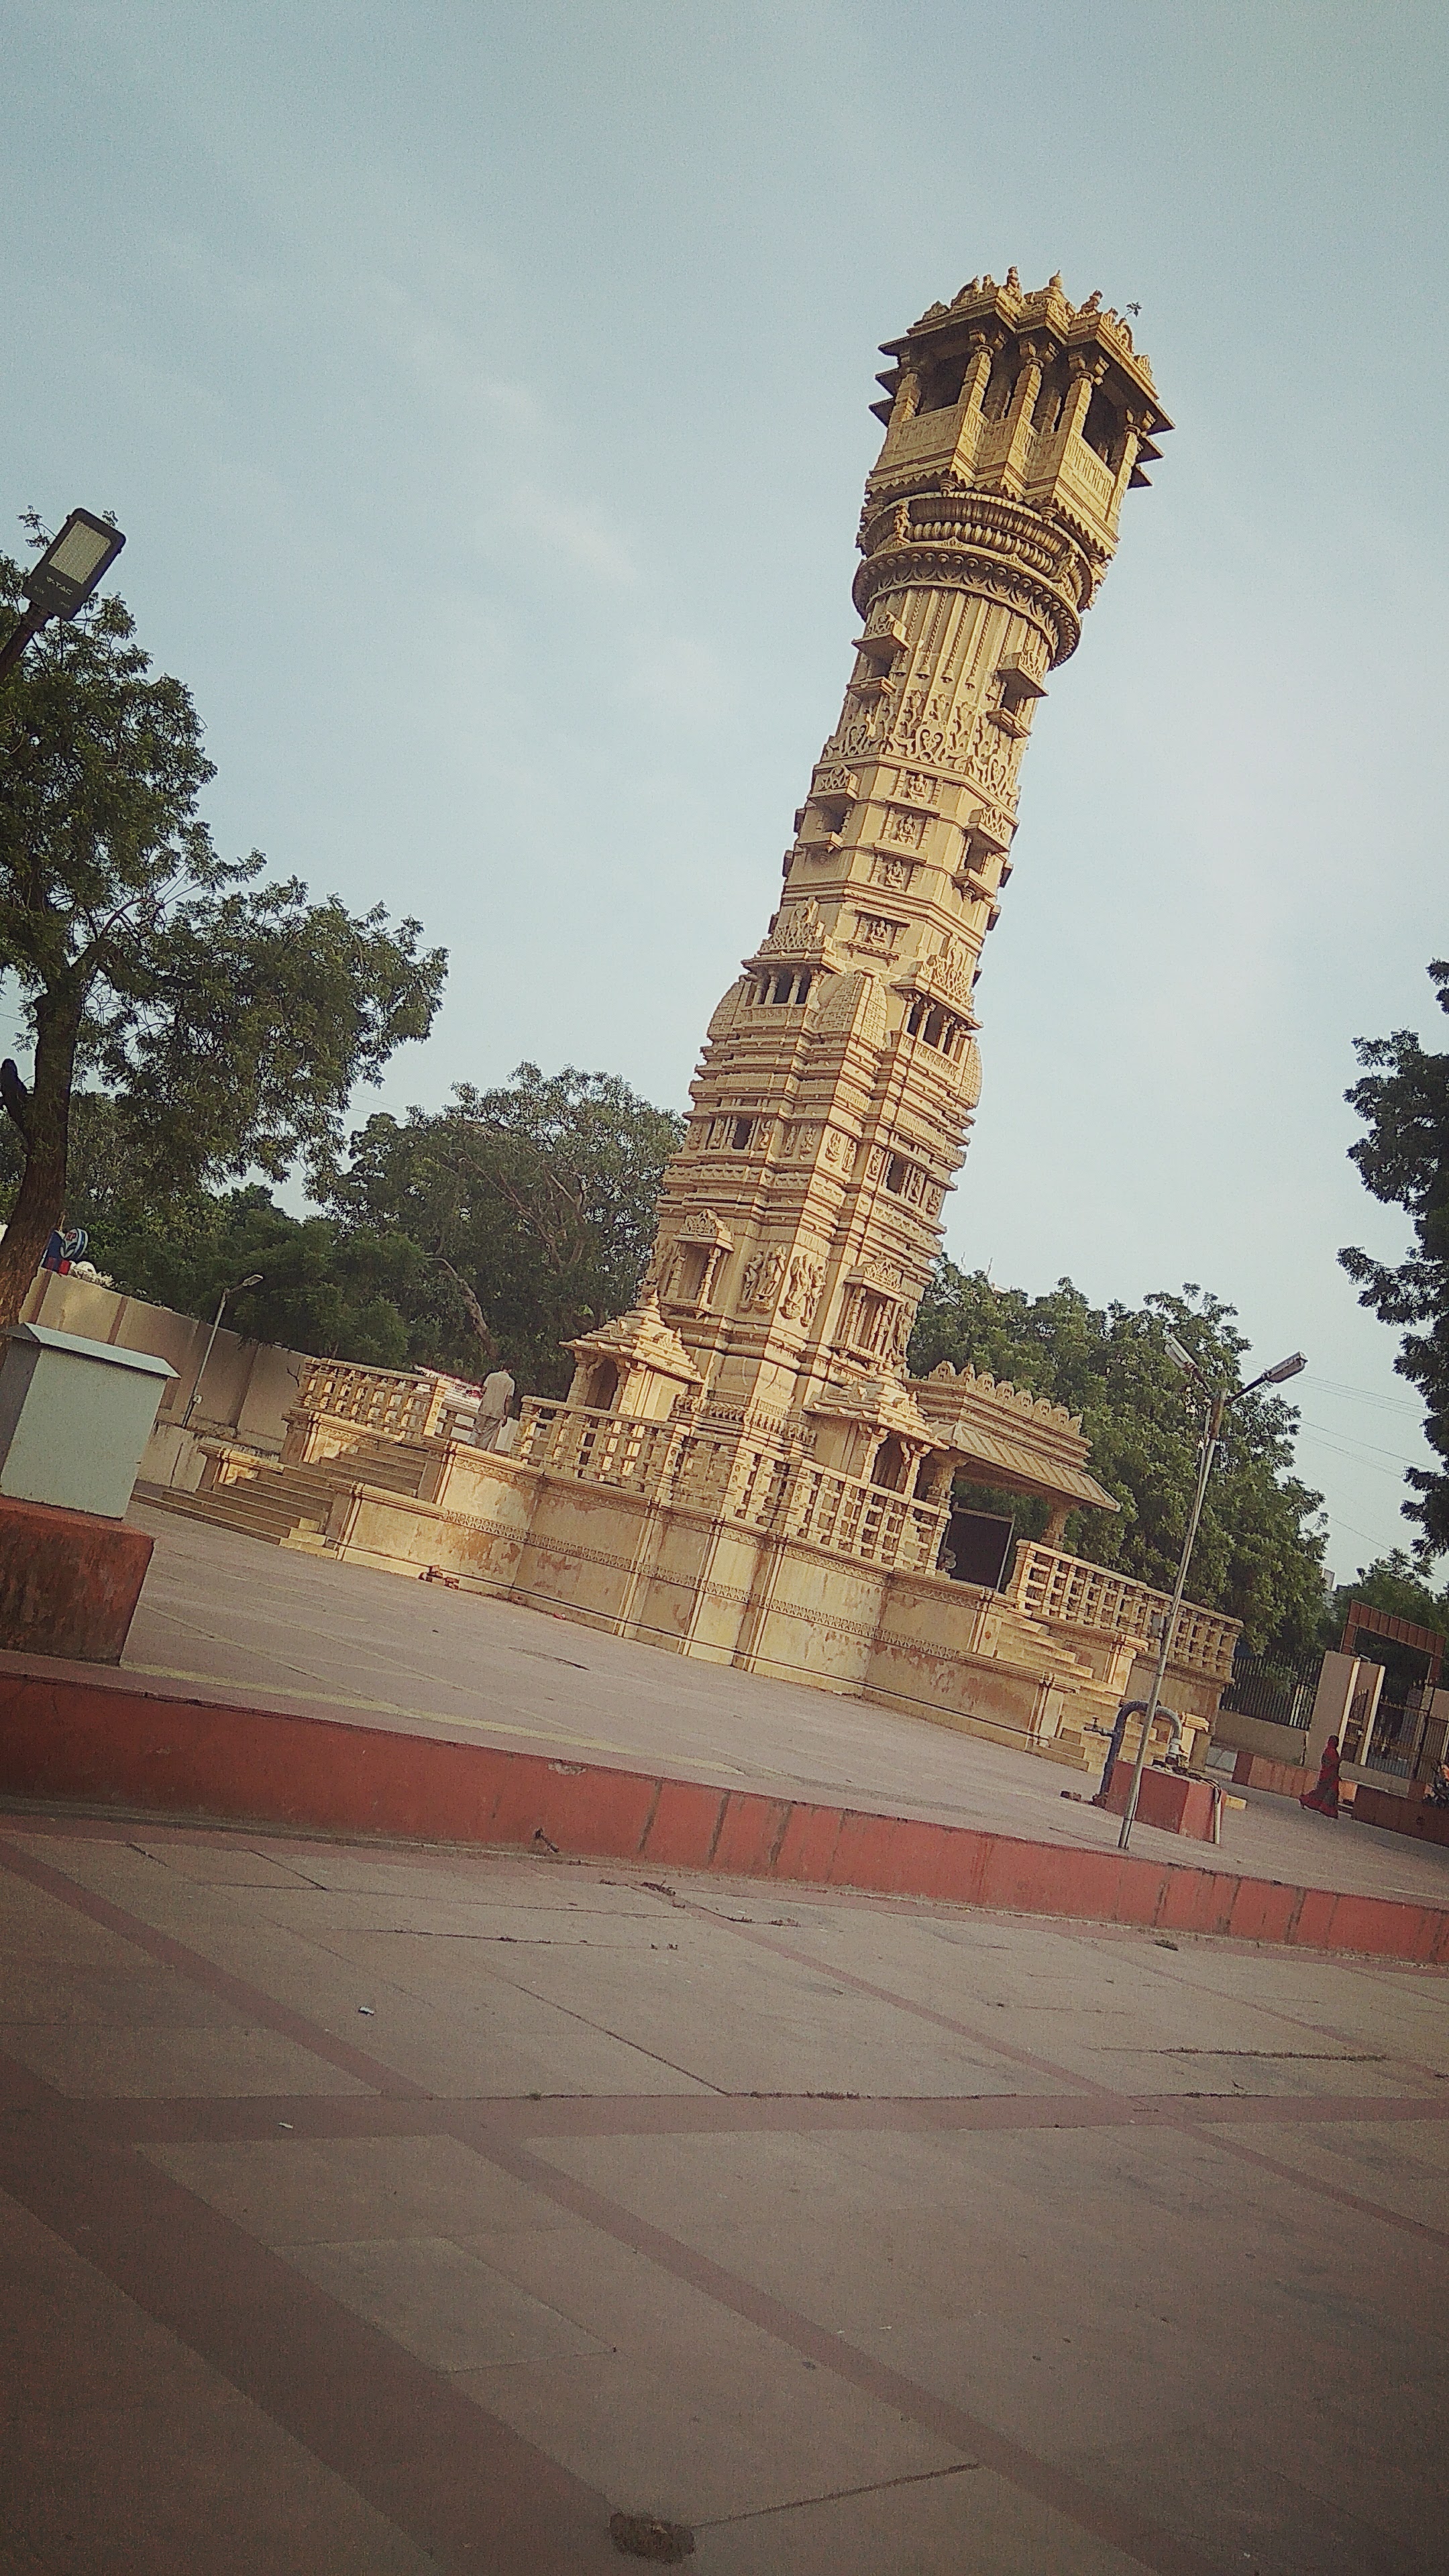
395,1465
251,1506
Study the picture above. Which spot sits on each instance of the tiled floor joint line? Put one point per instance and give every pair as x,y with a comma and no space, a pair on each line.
204,1972
1118,2524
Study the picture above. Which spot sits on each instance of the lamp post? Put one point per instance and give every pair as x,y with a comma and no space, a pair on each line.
253,1281
1218,1409
65,577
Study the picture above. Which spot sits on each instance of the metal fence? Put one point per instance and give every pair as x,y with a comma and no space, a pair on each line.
1280,1694
1394,1744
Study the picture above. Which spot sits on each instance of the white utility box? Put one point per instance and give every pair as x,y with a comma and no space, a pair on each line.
74,1419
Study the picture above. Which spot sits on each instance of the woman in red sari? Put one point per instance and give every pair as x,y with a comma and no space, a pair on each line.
1324,1793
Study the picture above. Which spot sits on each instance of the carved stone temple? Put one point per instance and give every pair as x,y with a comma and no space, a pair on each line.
743,1469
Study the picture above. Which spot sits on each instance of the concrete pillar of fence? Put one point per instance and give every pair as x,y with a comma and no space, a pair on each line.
1434,1740
1370,1693
1332,1702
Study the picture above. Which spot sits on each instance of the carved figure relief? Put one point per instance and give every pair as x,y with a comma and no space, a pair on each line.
874,931
802,1288
908,829
798,928
892,872
950,974
764,1277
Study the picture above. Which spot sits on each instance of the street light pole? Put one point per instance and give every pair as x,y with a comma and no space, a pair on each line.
1211,1434
237,1285
1218,1409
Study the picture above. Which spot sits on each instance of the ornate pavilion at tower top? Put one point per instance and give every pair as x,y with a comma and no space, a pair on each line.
799,1221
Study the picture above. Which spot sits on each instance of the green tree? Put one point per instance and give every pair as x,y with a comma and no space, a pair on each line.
1404,1160
1259,1556
229,1020
1391,1583
533,1204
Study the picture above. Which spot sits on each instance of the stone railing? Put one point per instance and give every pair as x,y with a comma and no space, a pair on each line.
856,1519
1069,1592
738,1480
615,1449
391,1402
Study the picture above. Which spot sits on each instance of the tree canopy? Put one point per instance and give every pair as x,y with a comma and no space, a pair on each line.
536,1201
1404,1160
495,1228
1259,1554
227,1020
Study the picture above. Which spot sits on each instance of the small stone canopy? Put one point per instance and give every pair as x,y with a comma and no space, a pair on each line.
998,1436
1006,1437
633,1365
703,1226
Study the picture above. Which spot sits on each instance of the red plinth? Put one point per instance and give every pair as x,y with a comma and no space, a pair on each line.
1410,1814
1285,1779
1166,1798
69,1582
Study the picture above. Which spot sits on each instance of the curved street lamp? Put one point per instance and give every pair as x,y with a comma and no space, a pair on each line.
254,1280
1218,1409
66,576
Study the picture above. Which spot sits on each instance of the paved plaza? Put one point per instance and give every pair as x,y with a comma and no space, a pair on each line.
377,2211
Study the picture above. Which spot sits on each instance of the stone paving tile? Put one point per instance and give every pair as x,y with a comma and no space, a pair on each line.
913,2246
743,2023
220,1864
38,1991
323,2191
103,2494
1180,2317
38,1927
158,2064
1403,2166
1280,2508
500,1667
442,2302
497,2040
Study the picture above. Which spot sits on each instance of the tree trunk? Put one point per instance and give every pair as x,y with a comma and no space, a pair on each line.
40,1200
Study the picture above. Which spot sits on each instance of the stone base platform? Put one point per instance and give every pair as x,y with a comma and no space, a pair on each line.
773,1568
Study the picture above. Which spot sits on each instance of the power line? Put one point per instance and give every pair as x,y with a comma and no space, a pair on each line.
1363,1395
1365,1466
1346,1441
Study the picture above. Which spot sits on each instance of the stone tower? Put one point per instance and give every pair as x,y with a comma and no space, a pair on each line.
799,1222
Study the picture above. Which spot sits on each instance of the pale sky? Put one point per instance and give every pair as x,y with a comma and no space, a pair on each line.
483,390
